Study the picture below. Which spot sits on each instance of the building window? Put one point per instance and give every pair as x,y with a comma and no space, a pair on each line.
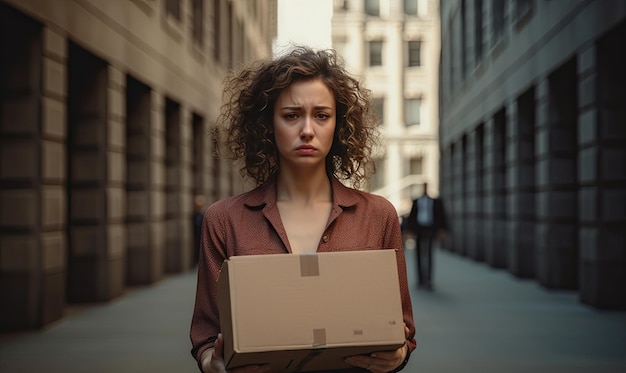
372,8
378,104
416,166
376,53
523,8
451,54
172,8
415,53
216,30
410,7
463,39
412,111
198,22
478,30
498,19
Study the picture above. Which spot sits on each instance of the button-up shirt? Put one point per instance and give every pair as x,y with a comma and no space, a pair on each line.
250,224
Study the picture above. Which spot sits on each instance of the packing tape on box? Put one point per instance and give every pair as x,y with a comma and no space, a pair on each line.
319,340
319,337
309,265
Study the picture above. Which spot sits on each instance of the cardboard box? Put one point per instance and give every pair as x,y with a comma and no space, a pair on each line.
303,313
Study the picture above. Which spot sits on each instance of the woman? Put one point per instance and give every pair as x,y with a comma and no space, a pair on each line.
298,123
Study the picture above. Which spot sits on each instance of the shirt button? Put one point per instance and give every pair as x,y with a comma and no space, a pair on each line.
324,239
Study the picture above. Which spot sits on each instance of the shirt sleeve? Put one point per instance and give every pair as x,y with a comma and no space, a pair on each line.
393,239
205,319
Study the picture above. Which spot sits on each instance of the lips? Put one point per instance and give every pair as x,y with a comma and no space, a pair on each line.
305,149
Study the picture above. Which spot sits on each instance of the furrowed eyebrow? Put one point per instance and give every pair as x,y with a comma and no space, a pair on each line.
298,108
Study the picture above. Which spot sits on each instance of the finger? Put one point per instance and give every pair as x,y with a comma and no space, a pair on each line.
252,369
361,361
384,356
218,349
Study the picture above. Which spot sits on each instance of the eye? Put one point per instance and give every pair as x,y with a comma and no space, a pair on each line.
322,116
290,116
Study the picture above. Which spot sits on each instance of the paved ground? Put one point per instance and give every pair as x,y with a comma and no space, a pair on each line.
483,320
477,319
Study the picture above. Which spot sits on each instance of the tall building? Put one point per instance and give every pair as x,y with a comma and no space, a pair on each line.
106,111
533,140
394,46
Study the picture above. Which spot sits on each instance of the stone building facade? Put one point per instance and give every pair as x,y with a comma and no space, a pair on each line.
394,46
106,110
533,140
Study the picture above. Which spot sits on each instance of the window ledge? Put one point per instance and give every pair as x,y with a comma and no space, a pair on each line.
147,6
173,27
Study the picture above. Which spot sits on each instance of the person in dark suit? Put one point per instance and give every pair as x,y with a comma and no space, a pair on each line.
427,221
198,216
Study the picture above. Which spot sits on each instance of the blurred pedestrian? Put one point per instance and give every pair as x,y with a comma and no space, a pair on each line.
428,222
298,123
197,218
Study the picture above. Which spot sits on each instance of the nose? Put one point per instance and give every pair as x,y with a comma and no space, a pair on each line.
307,128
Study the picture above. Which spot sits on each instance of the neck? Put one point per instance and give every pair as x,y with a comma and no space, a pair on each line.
304,186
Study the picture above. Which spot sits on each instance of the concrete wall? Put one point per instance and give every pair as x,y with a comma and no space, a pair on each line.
540,104
105,119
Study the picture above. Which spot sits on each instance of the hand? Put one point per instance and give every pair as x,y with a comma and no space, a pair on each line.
213,360
383,361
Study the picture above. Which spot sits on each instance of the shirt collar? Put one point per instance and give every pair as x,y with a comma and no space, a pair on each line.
257,199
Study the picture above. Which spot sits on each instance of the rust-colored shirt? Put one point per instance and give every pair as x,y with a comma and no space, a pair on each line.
250,224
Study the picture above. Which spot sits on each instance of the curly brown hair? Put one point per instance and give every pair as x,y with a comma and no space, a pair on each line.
247,115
